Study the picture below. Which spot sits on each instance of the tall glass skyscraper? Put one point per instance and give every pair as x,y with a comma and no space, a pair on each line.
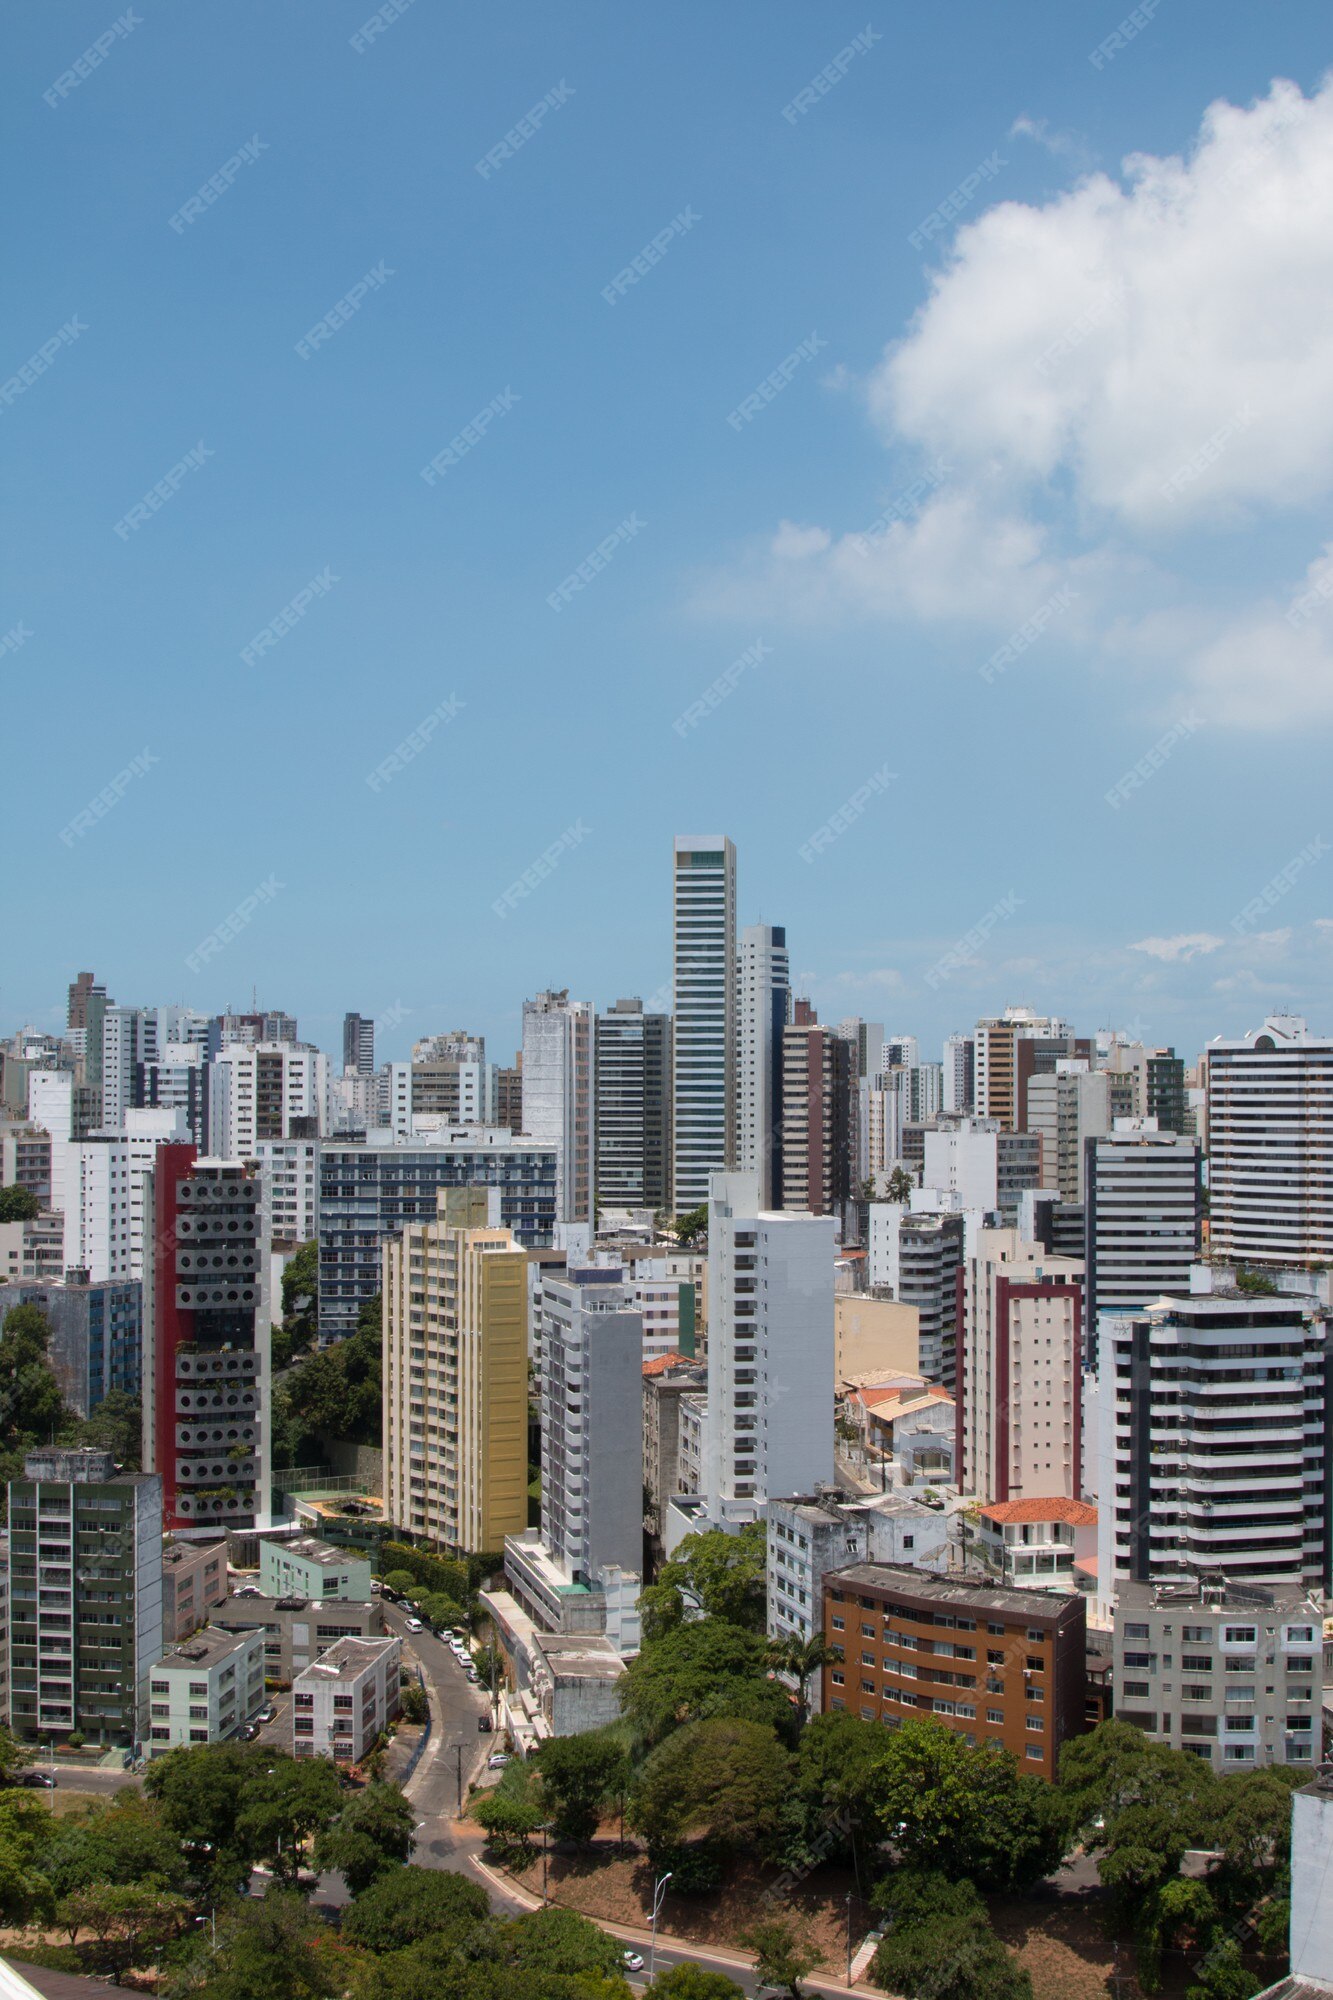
705,1030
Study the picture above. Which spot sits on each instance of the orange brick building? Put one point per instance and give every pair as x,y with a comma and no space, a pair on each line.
998,1665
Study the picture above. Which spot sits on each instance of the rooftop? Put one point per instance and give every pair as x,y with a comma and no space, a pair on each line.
206,1649
346,1660
1033,1607
311,1549
1078,1513
580,1656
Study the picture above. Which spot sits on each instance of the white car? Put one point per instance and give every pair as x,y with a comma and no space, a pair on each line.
497,1760
414,1624
631,1961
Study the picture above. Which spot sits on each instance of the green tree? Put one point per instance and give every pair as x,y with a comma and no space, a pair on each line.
835,1757
416,1706
580,1776
131,1925
300,1306
559,1941
900,1185
939,1943
32,1409
116,1425
723,1778
1116,1765
401,1908
508,1824
440,1611
14,1757
964,1811
802,1659
18,1204
705,1668
783,1954
719,1574
371,1835
400,1581
693,1982
691,1228
201,1793
1224,1975
286,1802
269,1950
25,1833
126,1842
336,1393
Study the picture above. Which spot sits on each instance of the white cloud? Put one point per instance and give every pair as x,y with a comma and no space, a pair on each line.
1183,946
1108,375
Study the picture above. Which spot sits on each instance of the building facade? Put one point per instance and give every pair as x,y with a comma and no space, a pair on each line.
764,1002
1270,1146
1214,1442
633,1108
96,1335
207,1386
456,1376
705,1025
993,1665
559,1059
343,1701
915,1258
1144,1218
205,1691
818,1093
194,1584
309,1568
85,1569
1019,1388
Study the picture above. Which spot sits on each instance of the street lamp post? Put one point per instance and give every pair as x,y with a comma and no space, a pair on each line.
659,1892
545,1832
849,1937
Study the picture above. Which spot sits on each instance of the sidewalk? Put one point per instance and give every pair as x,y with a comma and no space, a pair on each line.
707,1955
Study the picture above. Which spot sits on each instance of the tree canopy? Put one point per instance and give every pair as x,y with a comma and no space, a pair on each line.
719,1574
705,1668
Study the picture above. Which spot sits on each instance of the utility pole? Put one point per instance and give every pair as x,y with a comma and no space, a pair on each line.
849,1937
459,1748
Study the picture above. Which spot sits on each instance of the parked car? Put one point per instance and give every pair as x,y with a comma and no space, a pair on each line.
250,1731
485,1725
414,1625
631,1961
43,1780
267,1714
497,1760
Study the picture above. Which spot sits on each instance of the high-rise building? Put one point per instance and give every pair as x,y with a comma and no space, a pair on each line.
633,1107
207,1389
509,1096
959,1084
1213,1413
592,1426
456,1375
705,1020
99,1184
1144,1217
764,1001
271,1090
85,1573
977,1164
81,992
96,1335
446,1089
1270,1146
127,1040
290,1168
372,1190
1001,1063
867,1040
359,1044
1066,1108
915,1257
818,1087
1019,1388
178,1079
558,1068
770,1351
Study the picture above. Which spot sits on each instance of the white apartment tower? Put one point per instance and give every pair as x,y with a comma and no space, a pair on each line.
592,1426
1270,1146
266,1090
705,1030
770,1351
558,1069
1214,1442
764,998
960,1072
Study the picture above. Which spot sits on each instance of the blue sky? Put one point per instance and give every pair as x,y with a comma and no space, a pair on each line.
1125,376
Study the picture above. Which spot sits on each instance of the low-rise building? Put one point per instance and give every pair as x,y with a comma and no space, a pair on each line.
666,1379
33,1250
871,1334
194,1583
557,1683
310,1568
993,1664
206,1690
296,1630
1229,1672
1039,1543
342,1702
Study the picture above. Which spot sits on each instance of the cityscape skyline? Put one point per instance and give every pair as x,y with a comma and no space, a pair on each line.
356,494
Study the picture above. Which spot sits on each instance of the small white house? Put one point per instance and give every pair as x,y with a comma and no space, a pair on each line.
342,1701
307,1567
205,1690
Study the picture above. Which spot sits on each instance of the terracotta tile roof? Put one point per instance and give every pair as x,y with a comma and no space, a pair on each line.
661,1362
1078,1513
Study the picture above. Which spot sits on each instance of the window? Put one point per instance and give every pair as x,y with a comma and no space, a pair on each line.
199,1714
1036,1634
867,1631
161,1687
198,1736
161,1735
1034,1694
1133,1632
1238,1635
838,1680
1195,1634
1197,1663
1035,1726
867,1659
968,1709
839,1624
1300,1635
1137,1689
996,1631
1036,1665
1034,1752
1194,1691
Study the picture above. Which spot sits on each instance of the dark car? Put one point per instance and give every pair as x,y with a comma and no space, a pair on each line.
484,1724
42,1779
